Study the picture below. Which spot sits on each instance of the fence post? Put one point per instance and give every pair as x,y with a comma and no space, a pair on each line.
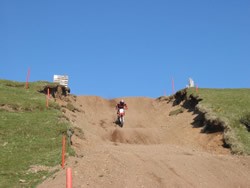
69,178
173,88
63,150
27,79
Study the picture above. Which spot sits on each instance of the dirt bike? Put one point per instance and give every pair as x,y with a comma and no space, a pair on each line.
120,119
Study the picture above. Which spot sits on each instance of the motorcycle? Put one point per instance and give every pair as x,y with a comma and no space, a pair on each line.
120,119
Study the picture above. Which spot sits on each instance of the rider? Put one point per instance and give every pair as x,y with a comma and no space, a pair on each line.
121,105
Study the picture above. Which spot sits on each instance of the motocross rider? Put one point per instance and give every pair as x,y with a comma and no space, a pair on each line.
121,105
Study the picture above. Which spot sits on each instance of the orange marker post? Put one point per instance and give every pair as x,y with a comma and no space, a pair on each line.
63,150
69,178
27,79
173,89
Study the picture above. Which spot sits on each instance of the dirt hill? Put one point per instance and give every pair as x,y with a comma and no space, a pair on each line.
153,149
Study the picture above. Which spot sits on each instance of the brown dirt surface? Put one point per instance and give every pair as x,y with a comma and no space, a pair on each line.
153,149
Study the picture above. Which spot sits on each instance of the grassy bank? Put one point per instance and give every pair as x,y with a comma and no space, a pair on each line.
231,105
30,135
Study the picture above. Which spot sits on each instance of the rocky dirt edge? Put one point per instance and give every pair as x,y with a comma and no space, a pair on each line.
206,119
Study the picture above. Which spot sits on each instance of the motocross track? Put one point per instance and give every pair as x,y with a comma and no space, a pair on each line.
153,149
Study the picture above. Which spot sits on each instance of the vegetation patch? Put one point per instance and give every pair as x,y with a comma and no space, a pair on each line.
245,120
176,112
225,110
30,135
71,107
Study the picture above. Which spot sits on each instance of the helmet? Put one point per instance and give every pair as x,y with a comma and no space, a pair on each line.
122,101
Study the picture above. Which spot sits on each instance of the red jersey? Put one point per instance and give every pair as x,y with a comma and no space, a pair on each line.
121,106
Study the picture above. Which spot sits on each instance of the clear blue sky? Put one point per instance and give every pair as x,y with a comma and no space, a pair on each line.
116,48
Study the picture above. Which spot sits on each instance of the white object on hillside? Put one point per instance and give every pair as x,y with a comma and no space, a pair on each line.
190,82
61,79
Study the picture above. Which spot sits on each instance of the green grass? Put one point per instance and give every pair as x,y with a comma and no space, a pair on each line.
231,105
30,134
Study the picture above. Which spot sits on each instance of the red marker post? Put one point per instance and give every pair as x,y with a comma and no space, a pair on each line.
173,89
69,178
197,88
27,79
63,150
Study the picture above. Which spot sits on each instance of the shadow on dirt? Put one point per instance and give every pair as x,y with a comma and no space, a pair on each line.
117,122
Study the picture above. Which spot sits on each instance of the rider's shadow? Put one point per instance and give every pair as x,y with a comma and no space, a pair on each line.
117,122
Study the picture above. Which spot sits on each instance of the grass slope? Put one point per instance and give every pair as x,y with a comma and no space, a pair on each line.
231,105
30,134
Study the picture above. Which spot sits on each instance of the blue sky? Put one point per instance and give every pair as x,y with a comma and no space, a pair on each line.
117,48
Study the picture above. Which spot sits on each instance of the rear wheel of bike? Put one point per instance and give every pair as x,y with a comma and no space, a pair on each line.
121,122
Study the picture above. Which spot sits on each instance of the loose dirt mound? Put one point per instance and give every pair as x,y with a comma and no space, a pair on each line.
133,136
153,149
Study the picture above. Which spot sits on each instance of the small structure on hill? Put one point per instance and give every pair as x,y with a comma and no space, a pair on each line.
61,79
190,83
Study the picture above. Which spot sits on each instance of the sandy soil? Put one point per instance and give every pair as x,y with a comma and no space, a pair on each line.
153,149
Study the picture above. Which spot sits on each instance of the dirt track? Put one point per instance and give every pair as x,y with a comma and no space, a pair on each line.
153,149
